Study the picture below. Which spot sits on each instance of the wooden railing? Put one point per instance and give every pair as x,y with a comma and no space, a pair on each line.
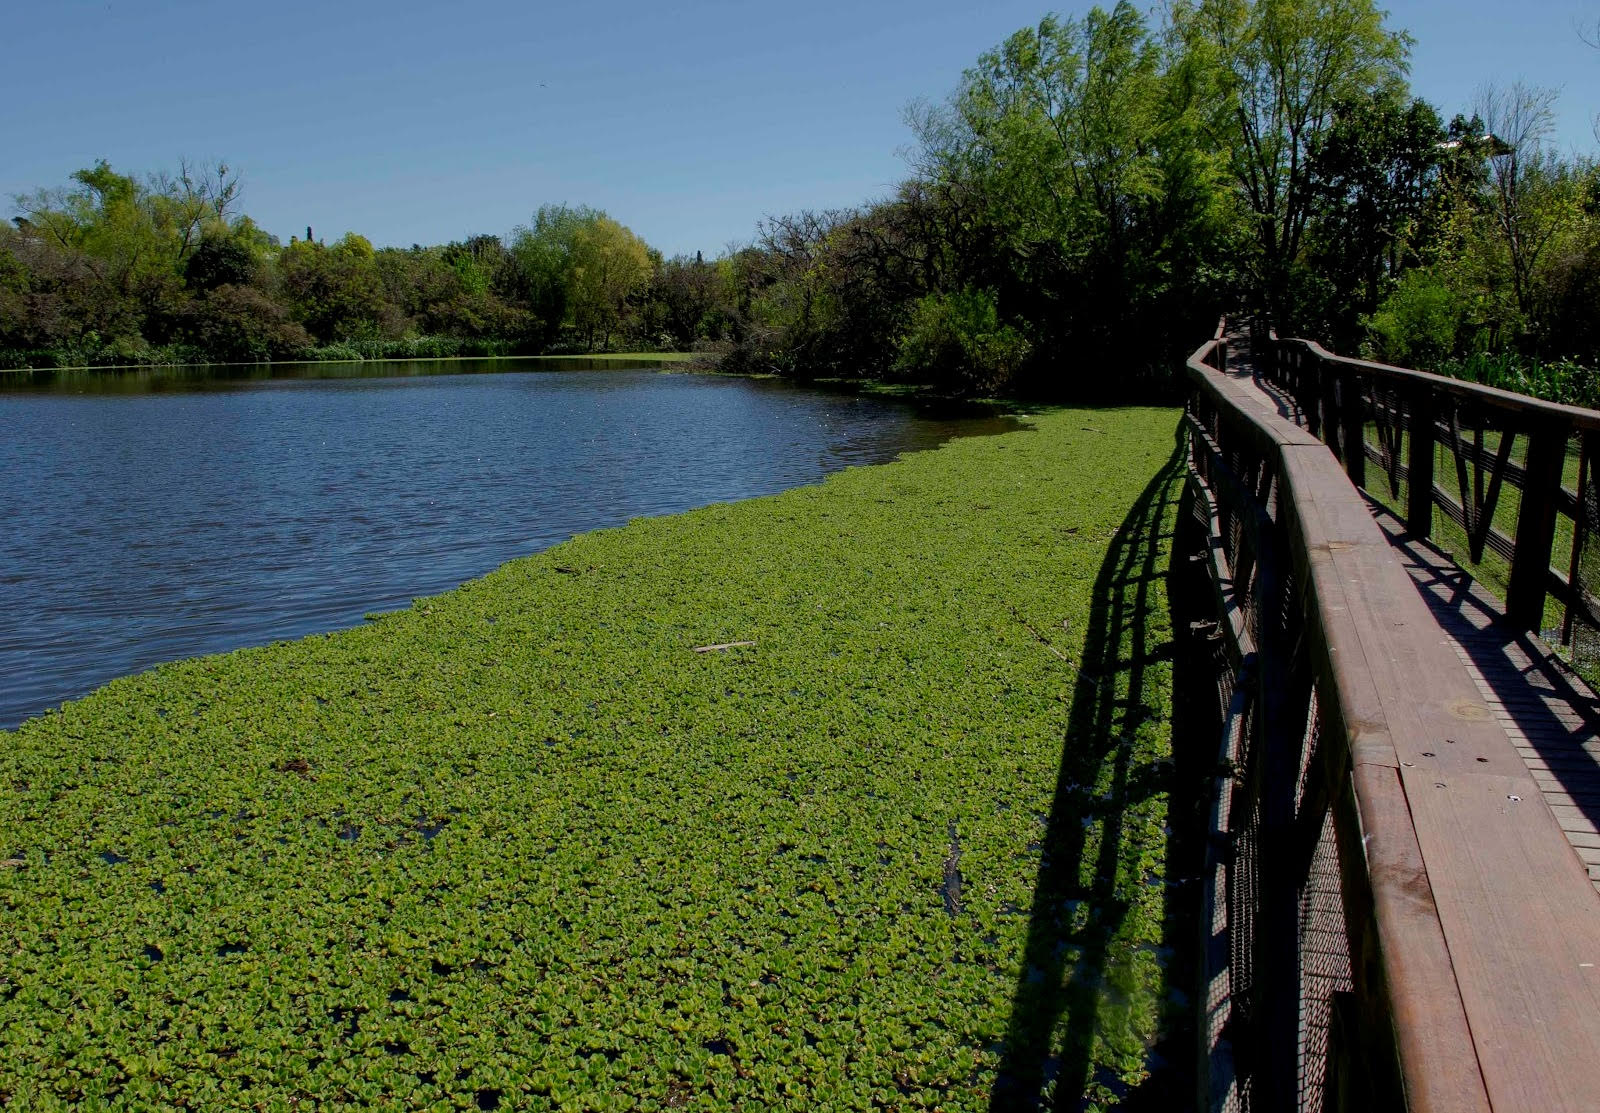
1495,439
1393,919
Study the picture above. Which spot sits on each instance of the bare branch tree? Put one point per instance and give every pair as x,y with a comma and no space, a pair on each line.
1521,118
203,193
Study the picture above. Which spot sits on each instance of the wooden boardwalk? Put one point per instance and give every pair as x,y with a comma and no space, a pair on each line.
1548,712
1402,904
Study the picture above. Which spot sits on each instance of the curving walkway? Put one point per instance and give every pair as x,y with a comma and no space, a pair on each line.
1550,714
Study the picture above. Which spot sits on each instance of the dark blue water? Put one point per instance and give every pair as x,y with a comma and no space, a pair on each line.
150,516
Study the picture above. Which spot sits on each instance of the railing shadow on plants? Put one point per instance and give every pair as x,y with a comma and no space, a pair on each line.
1080,899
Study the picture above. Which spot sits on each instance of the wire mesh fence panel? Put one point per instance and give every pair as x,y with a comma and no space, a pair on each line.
1324,967
1274,932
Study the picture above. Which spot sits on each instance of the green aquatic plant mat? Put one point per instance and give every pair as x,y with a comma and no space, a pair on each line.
530,844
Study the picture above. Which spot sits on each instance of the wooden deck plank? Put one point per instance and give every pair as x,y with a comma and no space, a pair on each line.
1480,819
1437,695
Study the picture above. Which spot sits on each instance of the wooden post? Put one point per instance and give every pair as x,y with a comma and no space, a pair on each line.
1328,387
1419,464
1536,527
1353,427
1580,531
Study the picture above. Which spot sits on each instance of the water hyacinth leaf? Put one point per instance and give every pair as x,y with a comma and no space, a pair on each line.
559,860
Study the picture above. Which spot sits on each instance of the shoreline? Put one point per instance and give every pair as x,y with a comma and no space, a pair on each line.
663,358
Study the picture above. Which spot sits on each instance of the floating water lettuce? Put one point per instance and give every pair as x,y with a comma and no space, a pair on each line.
521,846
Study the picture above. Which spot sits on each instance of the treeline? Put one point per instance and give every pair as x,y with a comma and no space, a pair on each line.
116,269
1092,195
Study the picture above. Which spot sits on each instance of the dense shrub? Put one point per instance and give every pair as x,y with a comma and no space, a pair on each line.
240,324
1420,323
958,342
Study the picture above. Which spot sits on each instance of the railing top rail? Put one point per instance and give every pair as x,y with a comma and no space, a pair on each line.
1488,927
1577,417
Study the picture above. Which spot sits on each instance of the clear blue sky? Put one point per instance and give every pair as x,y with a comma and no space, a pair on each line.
688,122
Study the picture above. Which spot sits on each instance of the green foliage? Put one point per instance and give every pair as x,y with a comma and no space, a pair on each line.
104,259
578,269
1285,68
521,842
240,324
1562,381
114,269
685,293
958,342
1421,323
1080,139
1510,259
221,259
1382,178
543,254
608,264
337,293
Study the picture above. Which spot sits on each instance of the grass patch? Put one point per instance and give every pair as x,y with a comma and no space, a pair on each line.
1493,571
521,846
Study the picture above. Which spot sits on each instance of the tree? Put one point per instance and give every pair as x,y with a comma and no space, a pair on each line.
542,254
1375,178
576,267
337,293
1079,141
686,290
1286,67
608,265
220,259
1525,186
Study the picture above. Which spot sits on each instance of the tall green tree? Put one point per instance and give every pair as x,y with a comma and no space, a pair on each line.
577,268
1382,179
542,252
608,265
1284,68
1081,137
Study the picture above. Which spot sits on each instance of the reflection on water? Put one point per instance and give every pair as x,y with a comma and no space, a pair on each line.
221,376
160,513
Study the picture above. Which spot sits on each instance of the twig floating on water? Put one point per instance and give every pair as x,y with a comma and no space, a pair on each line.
1038,636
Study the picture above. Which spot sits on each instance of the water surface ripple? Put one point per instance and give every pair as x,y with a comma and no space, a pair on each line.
150,516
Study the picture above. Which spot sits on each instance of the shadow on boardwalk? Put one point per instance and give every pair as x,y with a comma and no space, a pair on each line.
1068,1032
1552,715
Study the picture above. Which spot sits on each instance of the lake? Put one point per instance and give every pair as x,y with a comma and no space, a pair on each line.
155,514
